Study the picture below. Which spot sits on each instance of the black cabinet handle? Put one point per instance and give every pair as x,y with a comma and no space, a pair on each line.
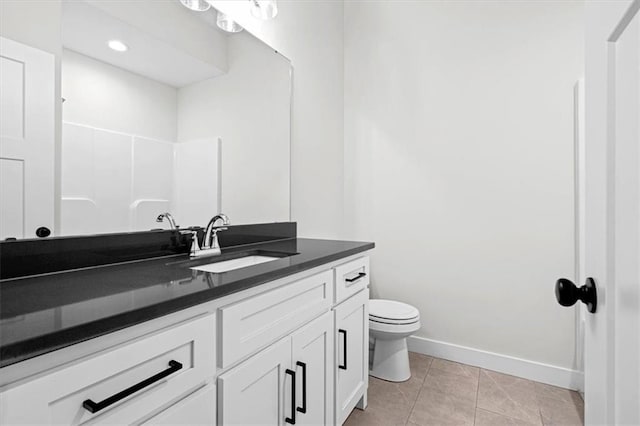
303,365
292,420
94,407
360,275
344,349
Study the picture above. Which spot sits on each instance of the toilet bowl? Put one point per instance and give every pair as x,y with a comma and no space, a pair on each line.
390,323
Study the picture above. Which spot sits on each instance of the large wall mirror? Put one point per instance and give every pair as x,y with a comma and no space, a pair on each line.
164,112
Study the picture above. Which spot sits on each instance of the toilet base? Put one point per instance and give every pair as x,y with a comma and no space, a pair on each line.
391,360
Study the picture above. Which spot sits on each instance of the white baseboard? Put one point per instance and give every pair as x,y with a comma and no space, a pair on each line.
544,373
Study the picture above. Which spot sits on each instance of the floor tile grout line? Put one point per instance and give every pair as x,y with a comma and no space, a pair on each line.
535,393
502,415
475,409
419,391
508,396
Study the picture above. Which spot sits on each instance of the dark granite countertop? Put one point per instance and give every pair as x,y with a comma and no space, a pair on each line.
40,314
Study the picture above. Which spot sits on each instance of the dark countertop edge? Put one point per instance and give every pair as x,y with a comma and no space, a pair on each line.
15,353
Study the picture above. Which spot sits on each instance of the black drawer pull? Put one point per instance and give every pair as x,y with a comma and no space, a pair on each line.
356,278
94,407
292,420
344,350
303,409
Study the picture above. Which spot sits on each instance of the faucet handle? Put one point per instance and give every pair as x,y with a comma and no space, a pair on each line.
221,228
195,247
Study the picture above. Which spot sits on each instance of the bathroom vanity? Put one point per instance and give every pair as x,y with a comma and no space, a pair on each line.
162,341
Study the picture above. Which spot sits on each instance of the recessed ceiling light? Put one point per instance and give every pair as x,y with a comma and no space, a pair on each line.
117,45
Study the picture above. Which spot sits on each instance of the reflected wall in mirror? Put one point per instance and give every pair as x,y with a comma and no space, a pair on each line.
164,112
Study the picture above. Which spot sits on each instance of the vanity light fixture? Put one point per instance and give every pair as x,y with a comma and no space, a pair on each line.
117,45
227,24
197,5
264,9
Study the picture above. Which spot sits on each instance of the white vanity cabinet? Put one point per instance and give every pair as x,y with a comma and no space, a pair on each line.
324,363
290,379
292,351
289,382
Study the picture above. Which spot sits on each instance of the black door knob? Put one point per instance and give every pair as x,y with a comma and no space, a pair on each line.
43,232
568,294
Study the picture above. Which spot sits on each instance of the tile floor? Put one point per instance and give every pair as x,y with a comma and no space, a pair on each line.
447,393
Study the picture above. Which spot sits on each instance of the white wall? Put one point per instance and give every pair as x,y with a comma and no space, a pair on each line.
249,110
459,165
310,34
100,95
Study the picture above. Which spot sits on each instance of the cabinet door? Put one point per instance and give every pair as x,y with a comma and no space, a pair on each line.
199,408
253,393
352,353
313,362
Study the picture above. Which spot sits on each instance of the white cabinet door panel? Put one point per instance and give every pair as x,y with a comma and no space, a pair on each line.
313,358
352,353
253,393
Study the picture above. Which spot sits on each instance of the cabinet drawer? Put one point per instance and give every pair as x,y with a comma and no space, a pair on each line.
351,278
165,366
199,408
252,324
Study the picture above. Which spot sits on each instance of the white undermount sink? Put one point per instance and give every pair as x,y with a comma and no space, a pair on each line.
231,264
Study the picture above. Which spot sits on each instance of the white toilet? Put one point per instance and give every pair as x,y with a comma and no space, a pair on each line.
390,323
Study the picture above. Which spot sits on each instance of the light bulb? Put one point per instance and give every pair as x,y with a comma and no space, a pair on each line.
197,5
264,9
227,24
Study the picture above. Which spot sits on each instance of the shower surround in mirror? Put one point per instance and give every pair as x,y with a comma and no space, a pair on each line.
115,182
188,119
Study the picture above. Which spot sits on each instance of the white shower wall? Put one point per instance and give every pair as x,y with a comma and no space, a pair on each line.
118,182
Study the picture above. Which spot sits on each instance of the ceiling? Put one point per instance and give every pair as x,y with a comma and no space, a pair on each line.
87,28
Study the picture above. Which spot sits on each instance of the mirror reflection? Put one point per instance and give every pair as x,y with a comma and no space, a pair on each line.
164,112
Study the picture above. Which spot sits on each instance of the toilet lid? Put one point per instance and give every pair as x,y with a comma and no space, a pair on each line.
381,310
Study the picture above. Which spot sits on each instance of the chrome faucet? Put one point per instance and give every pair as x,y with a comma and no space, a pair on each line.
172,223
211,233
210,244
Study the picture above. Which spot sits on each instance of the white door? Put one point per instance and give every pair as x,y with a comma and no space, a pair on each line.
253,393
612,333
27,134
313,362
352,353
